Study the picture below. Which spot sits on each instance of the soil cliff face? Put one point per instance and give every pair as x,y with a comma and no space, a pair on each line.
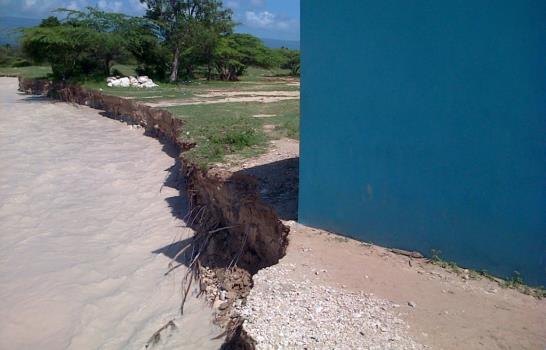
236,233
233,200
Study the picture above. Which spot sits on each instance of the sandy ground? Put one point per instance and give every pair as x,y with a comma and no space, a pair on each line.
82,210
447,311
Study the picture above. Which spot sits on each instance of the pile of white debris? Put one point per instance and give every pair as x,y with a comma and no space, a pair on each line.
140,82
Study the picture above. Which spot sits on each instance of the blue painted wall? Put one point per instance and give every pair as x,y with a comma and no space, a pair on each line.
424,127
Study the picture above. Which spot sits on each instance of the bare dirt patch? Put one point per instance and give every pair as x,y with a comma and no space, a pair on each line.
222,96
223,93
264,115
443,310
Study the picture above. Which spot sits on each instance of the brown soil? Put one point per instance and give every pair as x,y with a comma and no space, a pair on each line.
451,311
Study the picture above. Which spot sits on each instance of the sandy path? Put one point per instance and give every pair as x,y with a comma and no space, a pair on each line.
193,102
80,213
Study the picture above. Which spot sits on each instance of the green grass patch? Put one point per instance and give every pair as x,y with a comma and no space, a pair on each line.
256,79
261,74
231,128
217,137
27,72
126,70
515,281
286,114
162,92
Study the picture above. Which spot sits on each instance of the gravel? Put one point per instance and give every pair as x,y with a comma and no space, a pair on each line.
281,313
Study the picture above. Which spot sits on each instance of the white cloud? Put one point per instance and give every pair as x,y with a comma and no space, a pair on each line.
266,20
135,6
43,7
29,3
263,19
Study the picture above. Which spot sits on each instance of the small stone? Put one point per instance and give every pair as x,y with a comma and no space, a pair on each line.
412,304
217,303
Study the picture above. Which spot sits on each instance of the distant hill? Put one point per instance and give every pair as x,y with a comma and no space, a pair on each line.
276,44
9,26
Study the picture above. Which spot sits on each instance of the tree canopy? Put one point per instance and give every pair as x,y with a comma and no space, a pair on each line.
173,39
183,22
86,42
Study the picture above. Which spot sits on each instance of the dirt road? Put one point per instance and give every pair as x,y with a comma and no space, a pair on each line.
82,210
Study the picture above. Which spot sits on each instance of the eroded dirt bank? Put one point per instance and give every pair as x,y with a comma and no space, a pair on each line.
236,233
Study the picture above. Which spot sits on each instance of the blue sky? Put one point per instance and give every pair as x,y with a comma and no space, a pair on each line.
275,19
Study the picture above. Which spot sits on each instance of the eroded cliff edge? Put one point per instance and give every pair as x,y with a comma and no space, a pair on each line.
237,234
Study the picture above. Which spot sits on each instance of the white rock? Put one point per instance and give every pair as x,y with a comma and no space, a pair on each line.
149,84
139,82
124,82
143,79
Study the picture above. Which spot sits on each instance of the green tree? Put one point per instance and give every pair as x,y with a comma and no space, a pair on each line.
235,52
289,59
112,34
9,55
86,42
50,21
63,47
180,21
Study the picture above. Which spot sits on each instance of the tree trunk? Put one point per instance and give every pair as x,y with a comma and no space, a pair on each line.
107,67
209,71
176,61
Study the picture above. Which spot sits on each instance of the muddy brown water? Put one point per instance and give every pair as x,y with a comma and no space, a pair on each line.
82,209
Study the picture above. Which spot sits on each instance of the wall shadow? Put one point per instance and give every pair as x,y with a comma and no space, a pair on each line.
278,185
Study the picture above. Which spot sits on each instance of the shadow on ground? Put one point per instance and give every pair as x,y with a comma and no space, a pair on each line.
278,184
